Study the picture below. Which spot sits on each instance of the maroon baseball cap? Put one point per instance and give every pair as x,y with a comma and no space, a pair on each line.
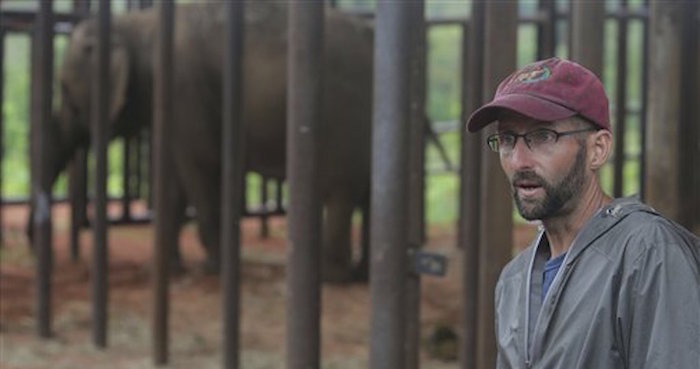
547,90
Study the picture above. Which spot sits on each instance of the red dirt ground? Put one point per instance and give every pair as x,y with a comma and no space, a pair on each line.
195,319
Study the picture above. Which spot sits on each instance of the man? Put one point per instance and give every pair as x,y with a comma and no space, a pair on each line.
607,283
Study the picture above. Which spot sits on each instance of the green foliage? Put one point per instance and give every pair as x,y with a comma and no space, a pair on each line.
15,174
444,73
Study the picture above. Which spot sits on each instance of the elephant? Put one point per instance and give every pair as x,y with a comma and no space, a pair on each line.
195,130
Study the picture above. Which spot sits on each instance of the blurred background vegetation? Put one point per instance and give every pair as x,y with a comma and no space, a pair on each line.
443,104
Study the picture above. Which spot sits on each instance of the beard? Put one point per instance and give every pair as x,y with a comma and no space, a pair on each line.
556,195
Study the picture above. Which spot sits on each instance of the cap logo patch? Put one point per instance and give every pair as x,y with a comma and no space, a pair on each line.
534,75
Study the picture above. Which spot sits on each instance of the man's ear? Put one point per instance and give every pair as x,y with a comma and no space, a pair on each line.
599,148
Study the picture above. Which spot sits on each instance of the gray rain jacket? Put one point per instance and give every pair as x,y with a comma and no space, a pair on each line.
626,296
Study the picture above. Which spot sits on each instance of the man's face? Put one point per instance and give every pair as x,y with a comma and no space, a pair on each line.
547,180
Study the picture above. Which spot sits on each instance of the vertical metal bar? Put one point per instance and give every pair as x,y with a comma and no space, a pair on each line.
645,102
145,3
77,187
164,237
42,75
586,30
546,29
77,173
416,185
304,91
470,177
264,229
390,185
689,140
81,7
663,124
126,179
279,192
695,25
620,102
2,123
496,239
232,176
100,116
138,165
149,164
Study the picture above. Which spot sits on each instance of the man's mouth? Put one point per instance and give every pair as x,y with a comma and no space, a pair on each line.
526,189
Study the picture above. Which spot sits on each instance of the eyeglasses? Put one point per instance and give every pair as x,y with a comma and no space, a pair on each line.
504,142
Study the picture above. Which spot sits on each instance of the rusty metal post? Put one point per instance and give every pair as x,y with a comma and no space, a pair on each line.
496,223
645,102
389,208
77,173
100,117
304,91
470,177
81,7
696,206
2,122
620,102
231,177
665,108
165,235
42,77
547,29
416,185
586,29
145,3
131,5
689,139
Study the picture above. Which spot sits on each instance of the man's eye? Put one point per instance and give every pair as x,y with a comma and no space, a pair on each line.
541,136
506,139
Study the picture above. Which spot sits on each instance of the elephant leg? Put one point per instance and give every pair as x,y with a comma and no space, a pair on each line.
361,272
337,250
209,235
179,203
203,188
173,218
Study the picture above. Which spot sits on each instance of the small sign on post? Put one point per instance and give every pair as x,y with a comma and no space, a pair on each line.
429,263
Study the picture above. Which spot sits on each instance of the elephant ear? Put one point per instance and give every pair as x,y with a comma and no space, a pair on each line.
119,78
119,70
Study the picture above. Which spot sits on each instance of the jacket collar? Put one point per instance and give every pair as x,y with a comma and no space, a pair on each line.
604,220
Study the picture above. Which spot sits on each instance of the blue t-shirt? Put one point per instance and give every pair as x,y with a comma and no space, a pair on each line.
550,271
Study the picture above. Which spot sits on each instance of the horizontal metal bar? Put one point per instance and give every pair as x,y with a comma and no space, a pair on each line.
23,21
